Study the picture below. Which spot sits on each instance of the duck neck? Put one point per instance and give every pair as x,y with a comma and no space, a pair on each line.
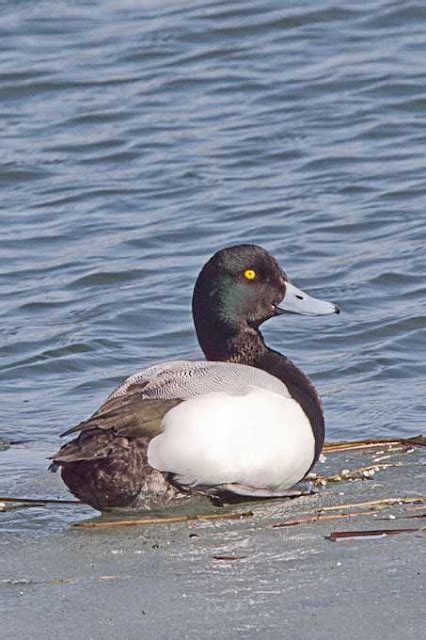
246,345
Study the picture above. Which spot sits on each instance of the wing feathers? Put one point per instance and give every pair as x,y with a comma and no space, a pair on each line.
133,416
137,408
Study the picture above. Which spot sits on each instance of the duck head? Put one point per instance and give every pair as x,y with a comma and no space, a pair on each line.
242,286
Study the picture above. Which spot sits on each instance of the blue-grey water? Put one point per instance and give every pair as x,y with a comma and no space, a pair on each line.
139,137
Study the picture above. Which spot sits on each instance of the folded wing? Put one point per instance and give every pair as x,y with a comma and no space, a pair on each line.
137,408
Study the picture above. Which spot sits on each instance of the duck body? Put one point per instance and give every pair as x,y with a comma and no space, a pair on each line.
258,443
246,422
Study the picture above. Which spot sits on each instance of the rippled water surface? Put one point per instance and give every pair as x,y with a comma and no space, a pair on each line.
140,137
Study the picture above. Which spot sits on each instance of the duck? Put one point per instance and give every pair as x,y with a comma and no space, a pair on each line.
244,423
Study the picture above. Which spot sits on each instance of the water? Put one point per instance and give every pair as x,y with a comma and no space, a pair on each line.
140,137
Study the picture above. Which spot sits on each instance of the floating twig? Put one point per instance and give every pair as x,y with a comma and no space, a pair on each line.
13,506
370,533
229,558
363,473
375,503
317,517
167,520
336,447
372,505
40,501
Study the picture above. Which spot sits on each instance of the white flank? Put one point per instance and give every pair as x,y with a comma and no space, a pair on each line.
262,440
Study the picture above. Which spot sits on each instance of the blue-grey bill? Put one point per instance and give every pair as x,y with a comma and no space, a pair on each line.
297,301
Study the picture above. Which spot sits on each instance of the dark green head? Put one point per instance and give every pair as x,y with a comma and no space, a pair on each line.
239,288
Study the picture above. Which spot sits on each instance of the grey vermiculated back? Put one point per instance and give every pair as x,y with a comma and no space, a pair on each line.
185,379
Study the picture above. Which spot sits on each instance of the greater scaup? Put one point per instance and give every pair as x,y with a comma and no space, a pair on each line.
245,422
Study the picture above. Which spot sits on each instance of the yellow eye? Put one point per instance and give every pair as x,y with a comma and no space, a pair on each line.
249,274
